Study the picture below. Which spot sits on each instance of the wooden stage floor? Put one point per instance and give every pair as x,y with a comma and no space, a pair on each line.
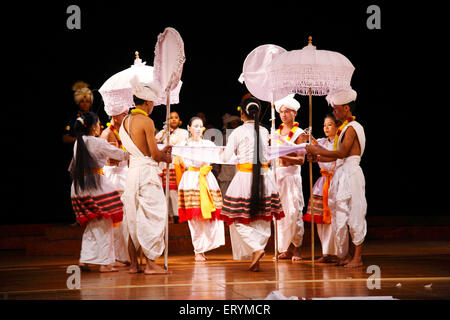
407,268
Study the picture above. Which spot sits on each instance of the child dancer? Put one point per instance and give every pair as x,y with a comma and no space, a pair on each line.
96,203
177,136
318,203
200,199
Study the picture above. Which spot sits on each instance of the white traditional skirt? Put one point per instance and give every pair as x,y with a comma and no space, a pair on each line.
97,244
189,196
206,234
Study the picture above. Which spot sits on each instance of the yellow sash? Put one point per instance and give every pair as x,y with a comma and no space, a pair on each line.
326,210
248,167
206,200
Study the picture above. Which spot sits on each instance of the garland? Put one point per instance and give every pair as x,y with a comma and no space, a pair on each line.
338,133
136,110
116,133
291,133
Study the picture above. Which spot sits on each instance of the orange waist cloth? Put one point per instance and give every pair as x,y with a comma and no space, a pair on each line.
326,186
248,167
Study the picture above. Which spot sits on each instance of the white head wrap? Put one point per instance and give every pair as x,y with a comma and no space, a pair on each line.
341,97
289,102
150,91
81,91
117,101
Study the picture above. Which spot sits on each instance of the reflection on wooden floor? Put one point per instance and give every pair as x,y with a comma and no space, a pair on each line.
407,268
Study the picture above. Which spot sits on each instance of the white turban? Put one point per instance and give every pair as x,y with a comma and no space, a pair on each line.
341,97
289,102
150,91
117,101
81,91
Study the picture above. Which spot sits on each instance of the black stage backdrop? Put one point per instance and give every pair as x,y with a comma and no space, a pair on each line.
398,77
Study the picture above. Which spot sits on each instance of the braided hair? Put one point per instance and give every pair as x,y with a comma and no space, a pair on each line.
82,169
251,107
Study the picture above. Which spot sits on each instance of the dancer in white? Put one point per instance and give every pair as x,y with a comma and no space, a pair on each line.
177,136
252,198
348,202
318,203
95,200
116,171
289,182
200,199
144,201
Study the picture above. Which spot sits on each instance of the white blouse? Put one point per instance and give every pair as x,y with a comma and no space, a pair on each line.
241,142
100,150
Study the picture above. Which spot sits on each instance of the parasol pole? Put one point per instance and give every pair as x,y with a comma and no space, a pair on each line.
311,178
274,167
166,233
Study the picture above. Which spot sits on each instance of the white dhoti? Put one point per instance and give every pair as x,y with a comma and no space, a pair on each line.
97,244
290,228
249,238
206,234
347,202
326,236
145,207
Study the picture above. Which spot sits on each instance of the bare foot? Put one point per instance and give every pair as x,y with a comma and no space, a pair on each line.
199,257
256,257
119,264
108,268
285,255
343,262
151,268
134,269
324,259
84,267
296,258
255,267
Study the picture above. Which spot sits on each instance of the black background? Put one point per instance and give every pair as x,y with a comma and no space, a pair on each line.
400,78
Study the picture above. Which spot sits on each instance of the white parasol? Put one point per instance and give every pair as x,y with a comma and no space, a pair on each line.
255,76
117,89
169,60
309,72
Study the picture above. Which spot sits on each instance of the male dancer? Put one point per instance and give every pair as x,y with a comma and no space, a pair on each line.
347,199
144,201
116,171
289,182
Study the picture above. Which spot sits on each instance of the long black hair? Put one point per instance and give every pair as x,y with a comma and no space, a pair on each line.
251,107
83,165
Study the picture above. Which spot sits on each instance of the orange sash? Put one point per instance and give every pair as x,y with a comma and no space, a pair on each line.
248,167
326,186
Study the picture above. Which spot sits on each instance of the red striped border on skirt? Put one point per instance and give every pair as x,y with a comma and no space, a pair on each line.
238,210
107,205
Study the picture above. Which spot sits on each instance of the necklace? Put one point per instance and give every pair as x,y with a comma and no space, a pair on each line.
291,133
338,133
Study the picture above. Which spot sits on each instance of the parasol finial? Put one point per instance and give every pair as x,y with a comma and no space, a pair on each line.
310,41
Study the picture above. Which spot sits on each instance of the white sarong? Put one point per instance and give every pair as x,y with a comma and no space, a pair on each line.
145,207
347,199
290,228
